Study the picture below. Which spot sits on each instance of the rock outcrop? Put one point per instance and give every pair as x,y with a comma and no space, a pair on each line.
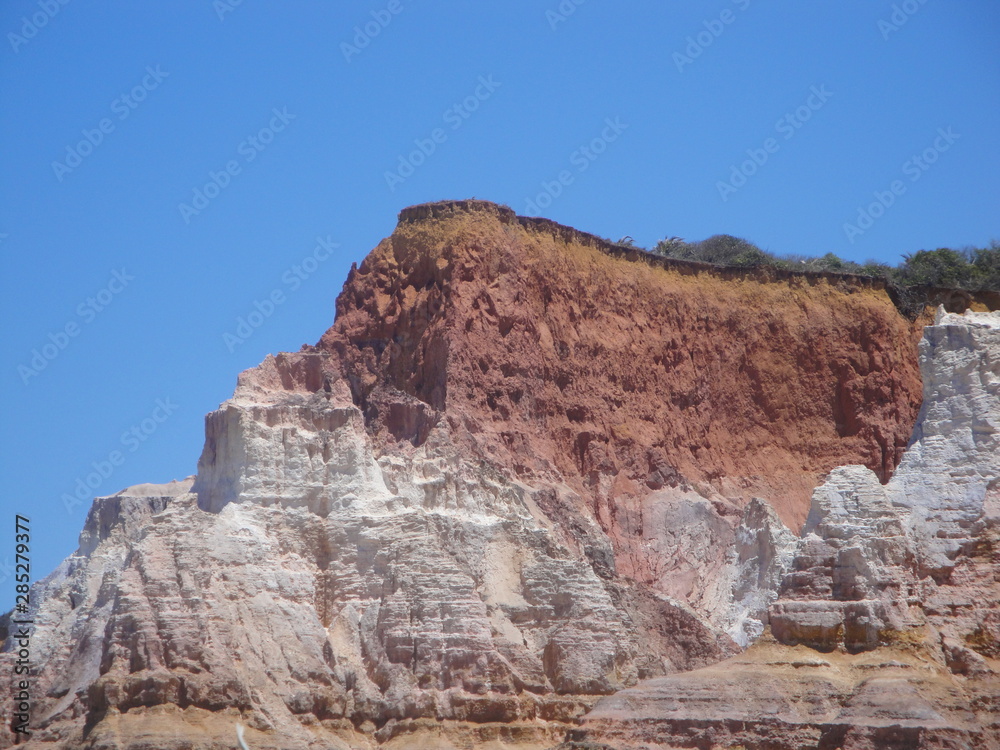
314,592
776,697
873,553
527,468
905,575
558,355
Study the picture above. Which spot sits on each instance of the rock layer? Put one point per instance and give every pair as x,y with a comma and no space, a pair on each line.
905,575
525,468
557,354
791,698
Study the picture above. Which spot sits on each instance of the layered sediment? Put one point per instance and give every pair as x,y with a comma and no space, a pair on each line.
567,357
887,630
524,473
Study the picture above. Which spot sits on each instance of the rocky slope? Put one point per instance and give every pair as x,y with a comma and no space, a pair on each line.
527,468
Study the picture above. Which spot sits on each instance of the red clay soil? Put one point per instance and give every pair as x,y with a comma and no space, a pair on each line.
551,352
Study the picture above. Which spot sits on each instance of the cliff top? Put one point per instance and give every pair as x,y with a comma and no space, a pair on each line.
911,301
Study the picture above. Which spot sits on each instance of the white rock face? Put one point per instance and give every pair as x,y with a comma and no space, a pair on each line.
954,457
301,585
292,436
761,556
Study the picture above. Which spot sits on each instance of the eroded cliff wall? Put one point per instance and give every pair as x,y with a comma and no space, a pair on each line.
887,632
525,468
554,356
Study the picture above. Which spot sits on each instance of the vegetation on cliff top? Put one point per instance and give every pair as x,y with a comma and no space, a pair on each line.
972,268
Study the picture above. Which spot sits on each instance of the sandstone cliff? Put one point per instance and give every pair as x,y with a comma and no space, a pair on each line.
560,355
895,589
527,468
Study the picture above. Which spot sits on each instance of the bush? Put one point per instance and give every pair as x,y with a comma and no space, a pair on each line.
941,267
726,250
751,256
971,268
674,247
721,249
876,268
986,262
831,262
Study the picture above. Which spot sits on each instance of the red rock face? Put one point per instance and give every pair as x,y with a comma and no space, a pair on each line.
555,354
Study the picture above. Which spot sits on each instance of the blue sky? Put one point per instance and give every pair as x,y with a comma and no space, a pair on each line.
168,165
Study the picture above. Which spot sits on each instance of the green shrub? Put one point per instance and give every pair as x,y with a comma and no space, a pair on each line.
675,247
876,268
831,262
751,256
726,250
941,267
971,268
986,262
721,249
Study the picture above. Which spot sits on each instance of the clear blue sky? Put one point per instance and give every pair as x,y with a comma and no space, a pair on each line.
171,92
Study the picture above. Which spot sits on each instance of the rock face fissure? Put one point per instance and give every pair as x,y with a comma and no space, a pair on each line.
527,468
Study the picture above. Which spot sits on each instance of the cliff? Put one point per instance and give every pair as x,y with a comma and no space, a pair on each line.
524,469
894,589
560,354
